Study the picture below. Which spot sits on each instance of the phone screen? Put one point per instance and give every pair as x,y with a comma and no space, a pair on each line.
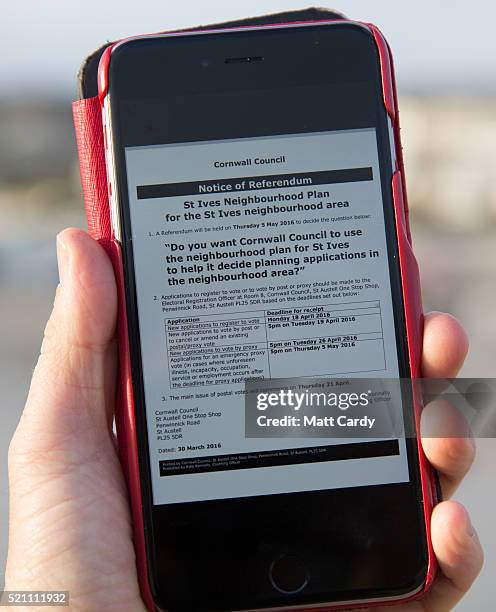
259,242
258,258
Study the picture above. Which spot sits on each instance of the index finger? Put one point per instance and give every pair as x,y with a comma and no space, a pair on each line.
445,346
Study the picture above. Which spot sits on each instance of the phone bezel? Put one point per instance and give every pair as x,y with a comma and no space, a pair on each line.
117,173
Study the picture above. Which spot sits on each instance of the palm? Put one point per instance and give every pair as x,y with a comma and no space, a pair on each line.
73,508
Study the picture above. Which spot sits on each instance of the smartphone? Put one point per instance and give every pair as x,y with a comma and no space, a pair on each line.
255,179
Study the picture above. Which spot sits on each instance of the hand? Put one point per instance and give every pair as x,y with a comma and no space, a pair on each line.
70,525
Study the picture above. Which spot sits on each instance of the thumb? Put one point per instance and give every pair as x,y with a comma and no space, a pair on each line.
72,387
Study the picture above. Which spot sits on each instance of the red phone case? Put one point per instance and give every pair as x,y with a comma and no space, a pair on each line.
91,149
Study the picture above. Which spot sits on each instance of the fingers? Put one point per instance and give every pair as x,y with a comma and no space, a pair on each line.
449,447
73,379
445,346
446,438
458,552
447,443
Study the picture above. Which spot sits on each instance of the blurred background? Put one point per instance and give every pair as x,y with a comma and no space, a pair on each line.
445,59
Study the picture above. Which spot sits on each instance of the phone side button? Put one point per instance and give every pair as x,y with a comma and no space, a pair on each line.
288,574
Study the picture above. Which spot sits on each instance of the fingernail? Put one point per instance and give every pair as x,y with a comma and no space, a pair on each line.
471,440
63,256
469,528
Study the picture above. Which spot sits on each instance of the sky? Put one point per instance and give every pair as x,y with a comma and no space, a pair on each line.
437,44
